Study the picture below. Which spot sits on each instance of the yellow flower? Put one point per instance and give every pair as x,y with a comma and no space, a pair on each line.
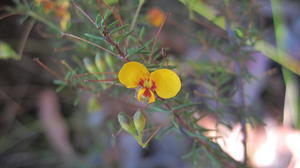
48,5
155,16
59,7
164,82
63,14
38,2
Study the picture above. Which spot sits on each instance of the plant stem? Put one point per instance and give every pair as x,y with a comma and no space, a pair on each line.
117,47
240,84
230,163
152,136
85,14
37,60
43,20
291,109
156,39
105,33
137,12
87,41
25,37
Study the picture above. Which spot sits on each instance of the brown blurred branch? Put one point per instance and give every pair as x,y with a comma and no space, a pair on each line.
25,37
156,37
54,125
37,60
87,41
105,33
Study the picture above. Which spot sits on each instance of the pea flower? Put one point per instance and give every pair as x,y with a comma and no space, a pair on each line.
59,7
155,16
164,82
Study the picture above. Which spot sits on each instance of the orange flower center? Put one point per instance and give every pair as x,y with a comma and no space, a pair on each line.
149,85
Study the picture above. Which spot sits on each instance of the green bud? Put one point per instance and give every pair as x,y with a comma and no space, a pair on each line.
100,63
139,121
109,60
89,65
126,123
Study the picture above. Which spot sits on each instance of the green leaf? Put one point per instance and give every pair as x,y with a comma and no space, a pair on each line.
264,47
159,109
149,42
134,51
6,52
111,2
185,105
111,25
107,14
23,19
122,37
118,28
142,32
69,75
94,37
214,161
59,82
60,88
194,151
98,20
206,11
161,66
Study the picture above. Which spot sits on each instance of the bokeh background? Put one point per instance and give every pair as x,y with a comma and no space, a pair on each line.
44,126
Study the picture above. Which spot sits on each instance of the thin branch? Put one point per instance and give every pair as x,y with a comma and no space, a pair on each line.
210,26
156,38
44,34
87,41
137,12
15,107
64,49
85,14
100,80
117,133
7,15
105,33
25,37
229,164
85,74
37,60
152,135
110,40
133,23
116,14
240,84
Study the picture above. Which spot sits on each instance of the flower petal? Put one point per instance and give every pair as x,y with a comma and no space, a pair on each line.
140,93
167,83
131,73
151,98
141,97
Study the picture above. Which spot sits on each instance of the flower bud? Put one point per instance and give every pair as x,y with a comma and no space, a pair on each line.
109,60
126,123
100,63
139,121
89,65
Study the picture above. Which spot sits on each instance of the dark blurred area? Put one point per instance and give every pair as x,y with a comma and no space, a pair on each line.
21,83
